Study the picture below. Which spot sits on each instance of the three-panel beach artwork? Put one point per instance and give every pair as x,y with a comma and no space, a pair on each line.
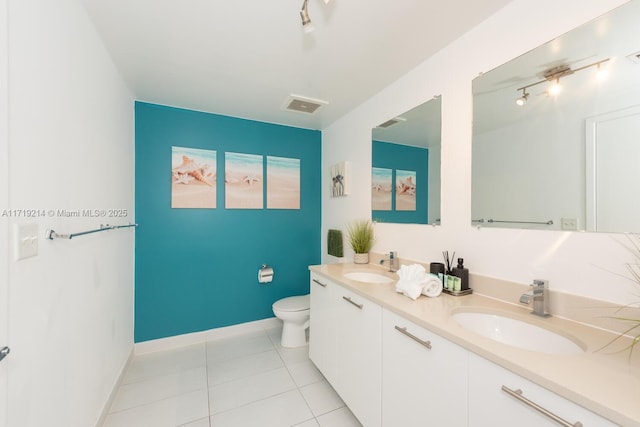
194,180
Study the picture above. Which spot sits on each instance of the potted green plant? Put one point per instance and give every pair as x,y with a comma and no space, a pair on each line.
360,239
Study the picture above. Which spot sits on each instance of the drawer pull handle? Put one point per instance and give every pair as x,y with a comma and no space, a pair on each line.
403,330
324,285
517,394
349,300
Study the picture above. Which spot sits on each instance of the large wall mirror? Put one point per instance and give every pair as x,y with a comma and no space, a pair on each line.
405,179
556,132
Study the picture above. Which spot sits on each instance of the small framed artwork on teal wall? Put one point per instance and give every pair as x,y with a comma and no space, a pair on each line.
405,190
243,181
381,186
339,174
193,178
283,183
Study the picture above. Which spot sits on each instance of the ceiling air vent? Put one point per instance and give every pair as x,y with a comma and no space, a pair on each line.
391,122
634,57
303,104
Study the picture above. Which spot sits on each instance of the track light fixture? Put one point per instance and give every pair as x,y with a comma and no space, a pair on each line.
307,25
554,75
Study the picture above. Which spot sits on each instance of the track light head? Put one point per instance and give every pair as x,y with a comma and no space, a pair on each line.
307,25
601,73
555,88
523,99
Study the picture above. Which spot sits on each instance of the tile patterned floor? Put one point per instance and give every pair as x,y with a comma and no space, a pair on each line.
242,381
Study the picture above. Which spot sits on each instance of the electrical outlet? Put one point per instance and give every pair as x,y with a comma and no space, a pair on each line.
569,223
25,239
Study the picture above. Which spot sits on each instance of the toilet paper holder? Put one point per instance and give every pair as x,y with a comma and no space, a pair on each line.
265,274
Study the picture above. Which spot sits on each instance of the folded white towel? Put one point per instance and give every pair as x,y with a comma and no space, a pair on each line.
409,288
432,286
412,280
412,272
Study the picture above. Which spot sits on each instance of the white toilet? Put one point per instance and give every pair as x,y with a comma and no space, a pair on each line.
294,313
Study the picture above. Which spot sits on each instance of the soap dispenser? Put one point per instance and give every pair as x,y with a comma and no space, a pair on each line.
463,273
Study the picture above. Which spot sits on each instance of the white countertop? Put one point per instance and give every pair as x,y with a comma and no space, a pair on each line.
605,382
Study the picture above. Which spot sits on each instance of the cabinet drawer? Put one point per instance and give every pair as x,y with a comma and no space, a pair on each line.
424,376
500,397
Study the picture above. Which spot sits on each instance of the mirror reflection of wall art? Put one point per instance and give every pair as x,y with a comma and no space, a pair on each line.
339,179
405,190
193,178
411,142
381,186
243,181
283,183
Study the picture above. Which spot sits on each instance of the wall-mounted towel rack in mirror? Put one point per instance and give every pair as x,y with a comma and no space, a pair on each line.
51,234
491,221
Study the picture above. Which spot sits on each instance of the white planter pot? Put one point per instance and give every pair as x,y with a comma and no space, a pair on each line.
361,258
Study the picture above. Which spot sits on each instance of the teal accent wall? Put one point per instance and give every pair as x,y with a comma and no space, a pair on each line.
403,157
196,269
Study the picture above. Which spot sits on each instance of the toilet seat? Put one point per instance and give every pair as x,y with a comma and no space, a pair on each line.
292,304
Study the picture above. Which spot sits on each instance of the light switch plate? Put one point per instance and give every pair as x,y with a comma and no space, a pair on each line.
25,238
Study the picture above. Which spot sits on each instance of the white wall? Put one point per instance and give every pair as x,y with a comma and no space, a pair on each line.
4,201
579,263
70,147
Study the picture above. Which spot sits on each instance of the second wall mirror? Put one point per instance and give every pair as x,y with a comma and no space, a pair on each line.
556,132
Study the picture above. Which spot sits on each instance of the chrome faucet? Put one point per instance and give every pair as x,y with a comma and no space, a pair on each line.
540,297
394,263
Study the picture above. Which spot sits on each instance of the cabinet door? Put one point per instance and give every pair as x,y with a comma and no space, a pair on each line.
358,350
424,376
490,405
322,325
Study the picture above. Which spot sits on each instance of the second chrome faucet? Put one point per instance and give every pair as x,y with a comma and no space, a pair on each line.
539,296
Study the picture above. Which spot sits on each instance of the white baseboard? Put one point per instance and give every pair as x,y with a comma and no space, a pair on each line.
114,390
204,336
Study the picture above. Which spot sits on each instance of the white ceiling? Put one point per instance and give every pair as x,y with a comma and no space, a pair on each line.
244,58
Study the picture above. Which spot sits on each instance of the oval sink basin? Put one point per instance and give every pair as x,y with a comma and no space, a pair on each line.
368,277
517,333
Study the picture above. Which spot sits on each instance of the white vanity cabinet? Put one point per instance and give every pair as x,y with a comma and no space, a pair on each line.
424,376
491,405
345,344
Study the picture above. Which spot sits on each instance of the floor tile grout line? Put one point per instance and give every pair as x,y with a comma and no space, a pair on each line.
155,401
206,373
228,358
172,396
298,388
163,375
260,400
127,381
